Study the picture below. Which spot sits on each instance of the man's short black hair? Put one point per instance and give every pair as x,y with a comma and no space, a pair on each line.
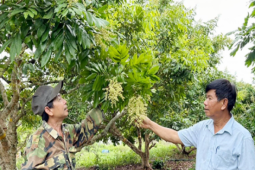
223,89
45,116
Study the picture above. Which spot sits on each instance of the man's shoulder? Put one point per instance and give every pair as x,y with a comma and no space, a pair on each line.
240,130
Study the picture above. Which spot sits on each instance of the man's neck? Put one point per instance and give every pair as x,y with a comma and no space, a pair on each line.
220,122
56,125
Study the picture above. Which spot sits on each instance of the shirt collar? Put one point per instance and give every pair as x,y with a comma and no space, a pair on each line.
226,128
50,130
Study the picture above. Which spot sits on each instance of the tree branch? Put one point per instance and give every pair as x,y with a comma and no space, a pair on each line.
3,93
23,111
4,141
70,91
139,138
118,134
152,145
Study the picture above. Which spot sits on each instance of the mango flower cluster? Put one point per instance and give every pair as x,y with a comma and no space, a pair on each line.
70,2
113,91
137,110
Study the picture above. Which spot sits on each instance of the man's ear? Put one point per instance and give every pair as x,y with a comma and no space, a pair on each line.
48,111
224,104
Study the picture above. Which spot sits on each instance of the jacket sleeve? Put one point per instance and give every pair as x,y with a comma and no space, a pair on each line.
85,131
34,153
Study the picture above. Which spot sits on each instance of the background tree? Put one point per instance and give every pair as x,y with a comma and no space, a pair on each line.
245,35
61,33
183,48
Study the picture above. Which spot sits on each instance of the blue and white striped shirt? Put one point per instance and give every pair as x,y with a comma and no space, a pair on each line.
231,148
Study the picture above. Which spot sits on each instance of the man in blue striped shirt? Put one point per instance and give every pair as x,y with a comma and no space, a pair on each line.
221,142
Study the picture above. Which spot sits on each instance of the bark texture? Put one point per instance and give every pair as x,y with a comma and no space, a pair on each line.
143,154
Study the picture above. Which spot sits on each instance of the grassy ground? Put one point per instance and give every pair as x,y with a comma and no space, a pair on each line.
164,155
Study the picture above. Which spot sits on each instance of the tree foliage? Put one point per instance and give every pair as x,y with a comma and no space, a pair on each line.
245,35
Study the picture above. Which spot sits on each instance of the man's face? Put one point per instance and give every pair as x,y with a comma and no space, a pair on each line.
212,105
59,109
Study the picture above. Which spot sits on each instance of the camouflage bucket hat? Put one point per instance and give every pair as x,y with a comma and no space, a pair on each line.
43,95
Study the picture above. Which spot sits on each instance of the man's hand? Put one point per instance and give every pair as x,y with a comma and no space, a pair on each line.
146,123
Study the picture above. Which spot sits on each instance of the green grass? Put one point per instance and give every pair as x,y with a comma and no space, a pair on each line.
121,155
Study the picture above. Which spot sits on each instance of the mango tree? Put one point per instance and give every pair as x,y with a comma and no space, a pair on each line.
59,32
182,48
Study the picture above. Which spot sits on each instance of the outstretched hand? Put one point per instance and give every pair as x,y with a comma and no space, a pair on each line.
146,123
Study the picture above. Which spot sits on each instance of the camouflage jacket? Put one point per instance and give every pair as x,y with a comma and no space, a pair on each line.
46,149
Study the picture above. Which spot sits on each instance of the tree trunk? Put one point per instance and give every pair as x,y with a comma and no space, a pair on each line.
144,155
145,158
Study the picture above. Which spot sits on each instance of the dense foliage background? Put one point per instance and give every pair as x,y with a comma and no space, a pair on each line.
131,58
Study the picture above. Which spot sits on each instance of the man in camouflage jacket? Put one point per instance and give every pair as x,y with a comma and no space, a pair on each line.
54,144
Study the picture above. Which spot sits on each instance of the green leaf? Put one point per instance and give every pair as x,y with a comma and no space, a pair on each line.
49,14
58,54
3,7
77,11
27,40
64,13
59,7
233,53
16,11
105,106
96,82
71,40
85,40
58,41
46,58
70,48
31,14
67,54
252,4
15,47
250,59
33,10
82,80
24,30
91,76
154,78
87,87
119,54
38,23
5,45
3,16
41,30
96,100
153,70
3,23
89,18
100,22
45,34
38,53
87,96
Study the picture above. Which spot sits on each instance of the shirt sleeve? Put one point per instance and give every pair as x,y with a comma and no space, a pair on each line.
189,136
85,131
34,153
247,156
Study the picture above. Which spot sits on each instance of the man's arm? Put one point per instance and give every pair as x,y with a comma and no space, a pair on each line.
34,156
85,131
247,157
167,134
